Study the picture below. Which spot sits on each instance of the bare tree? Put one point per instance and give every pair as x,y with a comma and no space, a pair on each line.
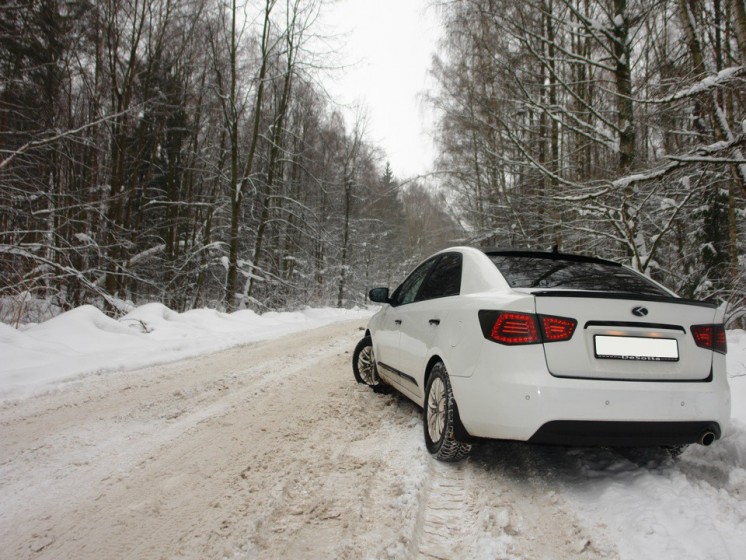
606,120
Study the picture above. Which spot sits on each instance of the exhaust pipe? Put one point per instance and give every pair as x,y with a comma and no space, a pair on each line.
706,438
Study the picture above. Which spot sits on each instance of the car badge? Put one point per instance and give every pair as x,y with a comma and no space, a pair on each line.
639,311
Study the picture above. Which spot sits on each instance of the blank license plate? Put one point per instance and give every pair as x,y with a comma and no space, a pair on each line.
636,348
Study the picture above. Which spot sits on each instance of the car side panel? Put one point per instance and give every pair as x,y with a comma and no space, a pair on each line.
417,336
456,338
385,333
433,328
462,343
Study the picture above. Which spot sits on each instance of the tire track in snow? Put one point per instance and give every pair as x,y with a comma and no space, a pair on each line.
152,479
481,509
442,512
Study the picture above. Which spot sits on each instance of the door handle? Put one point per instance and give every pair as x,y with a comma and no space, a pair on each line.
397,322
435,322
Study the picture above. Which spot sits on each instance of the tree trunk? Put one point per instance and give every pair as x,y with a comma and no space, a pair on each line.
238,189
623,78
274,164
738,13
345,242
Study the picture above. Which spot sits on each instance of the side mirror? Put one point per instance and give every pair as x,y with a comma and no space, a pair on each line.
379,295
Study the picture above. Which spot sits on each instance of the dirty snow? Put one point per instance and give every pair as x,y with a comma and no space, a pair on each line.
269,450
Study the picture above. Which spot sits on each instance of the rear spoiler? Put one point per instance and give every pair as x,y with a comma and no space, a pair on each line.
622,295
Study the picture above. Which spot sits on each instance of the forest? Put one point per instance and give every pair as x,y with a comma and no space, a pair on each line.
187,151
609,127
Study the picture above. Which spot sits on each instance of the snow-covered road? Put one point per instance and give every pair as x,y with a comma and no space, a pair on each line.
270,450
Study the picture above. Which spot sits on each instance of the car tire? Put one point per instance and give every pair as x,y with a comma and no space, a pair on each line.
439,418
364,365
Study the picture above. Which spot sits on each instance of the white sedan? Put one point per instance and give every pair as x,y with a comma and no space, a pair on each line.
547,347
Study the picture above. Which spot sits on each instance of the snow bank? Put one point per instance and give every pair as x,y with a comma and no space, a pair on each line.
85,341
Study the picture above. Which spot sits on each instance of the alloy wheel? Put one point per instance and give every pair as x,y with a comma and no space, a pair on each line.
366,366
436,409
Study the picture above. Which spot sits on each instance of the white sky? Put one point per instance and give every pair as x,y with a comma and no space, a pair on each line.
387,45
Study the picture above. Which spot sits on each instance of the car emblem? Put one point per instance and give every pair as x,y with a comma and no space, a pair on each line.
639,311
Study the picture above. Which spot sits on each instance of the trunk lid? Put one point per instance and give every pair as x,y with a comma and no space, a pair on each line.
627,336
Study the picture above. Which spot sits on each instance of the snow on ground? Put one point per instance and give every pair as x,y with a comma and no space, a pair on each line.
693,509
85,341
271,450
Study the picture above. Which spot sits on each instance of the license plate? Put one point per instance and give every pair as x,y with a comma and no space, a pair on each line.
636,348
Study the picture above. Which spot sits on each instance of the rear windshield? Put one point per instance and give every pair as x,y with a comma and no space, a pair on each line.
538,272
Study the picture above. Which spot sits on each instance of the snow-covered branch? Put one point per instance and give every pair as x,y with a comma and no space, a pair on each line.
722,78
698,155
58,135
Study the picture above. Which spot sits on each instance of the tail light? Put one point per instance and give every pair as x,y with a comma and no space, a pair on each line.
557,329
511,328
711,337
515,328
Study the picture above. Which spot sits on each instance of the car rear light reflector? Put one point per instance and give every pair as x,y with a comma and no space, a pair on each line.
557,328
515,328
510,327
711,337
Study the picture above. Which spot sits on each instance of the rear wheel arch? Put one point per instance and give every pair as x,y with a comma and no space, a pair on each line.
458,427
429,368
434,359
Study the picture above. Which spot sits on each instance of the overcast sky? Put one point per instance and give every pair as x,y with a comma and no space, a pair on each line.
387,45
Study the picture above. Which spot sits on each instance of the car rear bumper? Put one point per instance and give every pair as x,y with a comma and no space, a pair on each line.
522,401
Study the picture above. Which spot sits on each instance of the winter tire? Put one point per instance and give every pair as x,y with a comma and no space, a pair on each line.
364,365
439,418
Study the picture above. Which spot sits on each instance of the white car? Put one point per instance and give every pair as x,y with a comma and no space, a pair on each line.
550,348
